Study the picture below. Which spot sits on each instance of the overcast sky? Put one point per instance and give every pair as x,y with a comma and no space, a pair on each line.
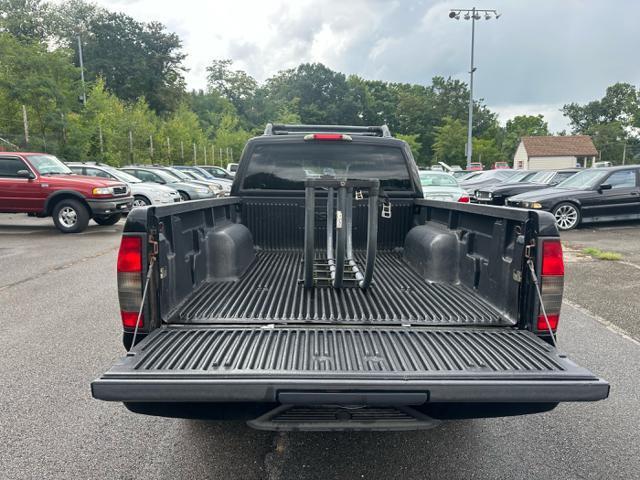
538,56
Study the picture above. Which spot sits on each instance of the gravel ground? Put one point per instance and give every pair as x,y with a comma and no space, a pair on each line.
60,330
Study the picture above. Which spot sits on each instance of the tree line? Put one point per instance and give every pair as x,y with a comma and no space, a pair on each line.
135,106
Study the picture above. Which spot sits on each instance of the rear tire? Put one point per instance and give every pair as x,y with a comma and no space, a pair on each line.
108,220
70,216
184,196
567,216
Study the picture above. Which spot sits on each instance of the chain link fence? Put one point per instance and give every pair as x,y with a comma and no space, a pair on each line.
136,150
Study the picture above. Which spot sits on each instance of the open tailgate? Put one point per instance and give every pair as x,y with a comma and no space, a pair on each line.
313,364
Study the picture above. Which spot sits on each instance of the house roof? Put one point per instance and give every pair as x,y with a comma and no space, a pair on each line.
559,146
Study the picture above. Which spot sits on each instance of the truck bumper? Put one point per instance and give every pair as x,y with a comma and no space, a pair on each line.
110,206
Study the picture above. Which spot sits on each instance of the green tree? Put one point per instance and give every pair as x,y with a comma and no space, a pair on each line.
183,129
412,141
135,59
45,82
98,132
621,103
231,136
25,19
450,141
522,126
486,152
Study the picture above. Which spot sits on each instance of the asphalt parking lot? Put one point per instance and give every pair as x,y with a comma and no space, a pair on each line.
60,330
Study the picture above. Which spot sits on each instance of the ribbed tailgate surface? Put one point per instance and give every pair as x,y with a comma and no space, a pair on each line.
310,351
269,292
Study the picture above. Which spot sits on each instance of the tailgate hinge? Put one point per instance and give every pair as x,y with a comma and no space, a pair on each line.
153,244
528,249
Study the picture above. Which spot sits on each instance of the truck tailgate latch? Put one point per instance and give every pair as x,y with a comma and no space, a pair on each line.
386,208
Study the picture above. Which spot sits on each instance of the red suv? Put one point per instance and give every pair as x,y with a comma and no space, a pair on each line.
41,185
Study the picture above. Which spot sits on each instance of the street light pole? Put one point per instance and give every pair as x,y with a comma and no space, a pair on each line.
84,94
475,15
471,70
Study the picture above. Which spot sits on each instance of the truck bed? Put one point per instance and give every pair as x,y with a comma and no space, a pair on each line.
270,292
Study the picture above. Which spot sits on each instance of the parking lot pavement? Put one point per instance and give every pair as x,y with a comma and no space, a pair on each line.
30,247
60,329
608,289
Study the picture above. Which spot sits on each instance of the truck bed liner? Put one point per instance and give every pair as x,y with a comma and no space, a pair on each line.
270,292
259,363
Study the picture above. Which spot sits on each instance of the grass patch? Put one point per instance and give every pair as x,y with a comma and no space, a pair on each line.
602,255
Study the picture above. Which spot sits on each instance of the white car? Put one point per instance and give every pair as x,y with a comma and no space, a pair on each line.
144,193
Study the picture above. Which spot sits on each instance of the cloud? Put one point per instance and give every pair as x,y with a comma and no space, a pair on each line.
539,55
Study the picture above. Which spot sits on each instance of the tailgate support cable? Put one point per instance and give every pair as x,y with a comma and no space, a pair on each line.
144,296
544,311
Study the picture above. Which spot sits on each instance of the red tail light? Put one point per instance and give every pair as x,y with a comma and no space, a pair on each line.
130,280
129,319
552,261
551,284
542,323
464,199
328,136
130,254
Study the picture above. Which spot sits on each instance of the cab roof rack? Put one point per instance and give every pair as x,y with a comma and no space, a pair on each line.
367,131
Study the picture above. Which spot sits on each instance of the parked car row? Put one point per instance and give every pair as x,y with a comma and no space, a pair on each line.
74,193
572,195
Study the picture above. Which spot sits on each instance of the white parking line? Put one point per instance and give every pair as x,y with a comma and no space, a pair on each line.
610,326
18,232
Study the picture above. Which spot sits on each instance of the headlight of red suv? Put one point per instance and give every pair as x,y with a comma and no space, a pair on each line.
102,191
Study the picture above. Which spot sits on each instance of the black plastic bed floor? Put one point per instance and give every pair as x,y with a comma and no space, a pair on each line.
270,292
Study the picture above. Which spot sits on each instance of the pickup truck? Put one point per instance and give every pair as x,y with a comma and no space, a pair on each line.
40,185
326,294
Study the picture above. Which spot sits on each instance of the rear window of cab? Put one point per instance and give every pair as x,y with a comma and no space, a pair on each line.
286,166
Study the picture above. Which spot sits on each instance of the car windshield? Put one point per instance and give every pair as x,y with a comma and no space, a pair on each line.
122,176
521,176
499,174
166,176
177,173
197,175
49,165
434,180
542,177
202,173
191,175
583,180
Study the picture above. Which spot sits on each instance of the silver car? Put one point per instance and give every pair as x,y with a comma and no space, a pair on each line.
187,190
144,193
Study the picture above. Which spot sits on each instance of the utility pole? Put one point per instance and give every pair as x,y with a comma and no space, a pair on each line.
151,146
624,153
213,155
473,15
84,93
25,122
130,147
195,153
101,142
182,151
169,149
204,149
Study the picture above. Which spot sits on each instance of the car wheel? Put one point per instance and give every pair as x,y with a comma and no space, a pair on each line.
70,216
140,201
108,219
184,196
567,216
